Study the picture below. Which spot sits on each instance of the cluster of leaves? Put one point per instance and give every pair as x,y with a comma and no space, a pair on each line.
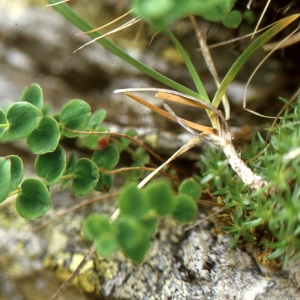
161,13
139,209
276,206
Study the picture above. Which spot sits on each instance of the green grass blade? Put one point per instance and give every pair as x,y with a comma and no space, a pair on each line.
75,19
189,64
244,57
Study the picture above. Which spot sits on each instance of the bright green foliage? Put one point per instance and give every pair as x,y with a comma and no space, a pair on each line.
50,166
5,176
11,174
98,228
185,209
132,237
97,118
45,137
159,197
33,200
3,121
233,19
70,169
104,183
85,178
131,133
106,158
131,201
75,115
34,95
22,118
97,141
190,187
16,170
161,13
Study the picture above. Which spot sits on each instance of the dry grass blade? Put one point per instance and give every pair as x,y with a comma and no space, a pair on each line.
284,43
107,24
261,17
60,2
210,64
126,25
168,115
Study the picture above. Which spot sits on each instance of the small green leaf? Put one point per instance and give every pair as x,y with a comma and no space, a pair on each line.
185,209
45,137
50,166
22,117
105,183
33,95
17,171
131,133
232,20
95,226
132,238
149,225
3,122
97,118
97,141
5,175
159,197
106,158
70,169
85,178
98,228
75,115
33,200
131,201
190,187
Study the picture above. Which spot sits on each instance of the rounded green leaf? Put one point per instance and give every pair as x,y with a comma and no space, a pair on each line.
85,178
70,169
185,209
190,187
3,122
131,201
34,95
5,177
106,246
17,171
75,115
149,225
106,158
97,118
96,226
97,141
159,197
45,137
22,118
132,238
105,183
131,133
33,200
232,20
50,166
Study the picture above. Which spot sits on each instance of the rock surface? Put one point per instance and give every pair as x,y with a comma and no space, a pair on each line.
36,45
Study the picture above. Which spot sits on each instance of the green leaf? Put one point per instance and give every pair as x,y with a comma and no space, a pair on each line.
232,20
70,169
5,175
98,228
22,117
131,201
34,95
149,225
33,200
106,158
159,197
50,166
104,183
97,141
190,187
185,209
132,238
97,118
125,141
3,122
45,137
17,171
75,115
85,178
